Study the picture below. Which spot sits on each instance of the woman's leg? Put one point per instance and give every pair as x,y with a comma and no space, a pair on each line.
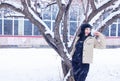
83,73
76,70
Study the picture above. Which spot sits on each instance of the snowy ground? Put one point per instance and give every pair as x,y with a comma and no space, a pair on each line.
44,65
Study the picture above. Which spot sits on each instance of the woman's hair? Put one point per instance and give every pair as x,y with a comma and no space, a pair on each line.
83,27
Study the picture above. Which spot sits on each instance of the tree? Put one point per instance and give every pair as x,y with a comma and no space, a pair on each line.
92,12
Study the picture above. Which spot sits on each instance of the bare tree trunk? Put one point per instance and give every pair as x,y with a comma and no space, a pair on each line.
66,69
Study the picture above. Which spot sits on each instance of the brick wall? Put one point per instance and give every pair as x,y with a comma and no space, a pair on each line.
38,41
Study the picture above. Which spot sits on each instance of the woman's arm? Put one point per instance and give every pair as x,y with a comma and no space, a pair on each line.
99,41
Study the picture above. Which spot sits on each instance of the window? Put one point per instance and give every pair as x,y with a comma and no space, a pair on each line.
118,29
48,23
74,13
47,13
15,27
73,26
27,27
7,27
118,20
53,25
54,11
106,31
46,16
0,26
36,30
113,30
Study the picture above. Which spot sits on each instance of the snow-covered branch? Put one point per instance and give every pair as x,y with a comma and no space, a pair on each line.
63,2
13,7
96,17
99,9
105,15
68,75
109,20
65,25
57,22
27,9
99,3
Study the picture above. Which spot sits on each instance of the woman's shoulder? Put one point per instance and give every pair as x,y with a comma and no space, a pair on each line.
91,37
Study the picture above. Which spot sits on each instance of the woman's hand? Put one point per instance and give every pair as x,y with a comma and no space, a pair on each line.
96,33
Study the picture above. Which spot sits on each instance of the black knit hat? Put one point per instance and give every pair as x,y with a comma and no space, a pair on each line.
83,27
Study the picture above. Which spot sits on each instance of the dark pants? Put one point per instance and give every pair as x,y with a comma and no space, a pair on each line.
80,71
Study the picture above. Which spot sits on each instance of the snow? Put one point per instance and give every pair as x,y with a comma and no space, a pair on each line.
70,43
65,50
106,66
63,2
17,14
45,65
33,5
29,65
17,5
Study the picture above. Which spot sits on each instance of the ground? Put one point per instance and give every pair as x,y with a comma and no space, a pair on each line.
44,65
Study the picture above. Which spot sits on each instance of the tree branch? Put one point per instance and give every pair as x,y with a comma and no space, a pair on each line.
83,5
94,12
68,5
86,9
92,5
109,22
65,25
51,4
29,2
6,5
30,14
110,11
57,23
59,3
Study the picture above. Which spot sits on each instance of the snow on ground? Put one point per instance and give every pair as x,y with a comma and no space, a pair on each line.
44,65
106,65
29,65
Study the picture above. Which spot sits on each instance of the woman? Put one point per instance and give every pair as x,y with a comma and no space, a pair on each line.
82,53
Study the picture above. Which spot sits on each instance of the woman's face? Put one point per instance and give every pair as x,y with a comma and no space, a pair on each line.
87,31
